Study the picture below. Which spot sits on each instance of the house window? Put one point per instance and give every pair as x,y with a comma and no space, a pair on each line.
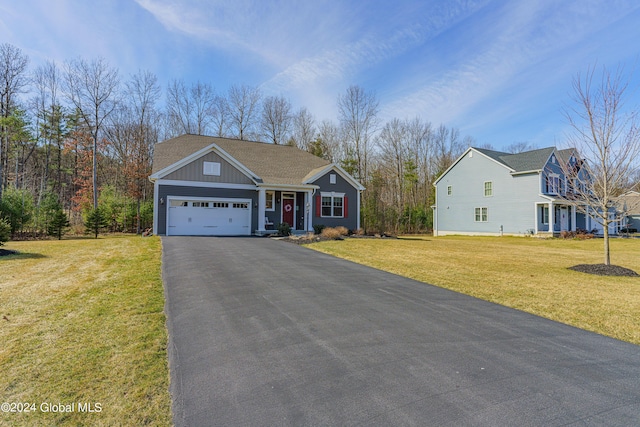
449,190
220,204
332,178
240,205
553,184
481,215
488,189
211,168
179,203
332,205
270,205
200,204
545,214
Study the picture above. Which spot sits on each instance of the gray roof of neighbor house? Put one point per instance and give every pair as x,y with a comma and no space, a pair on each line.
533,160
273,164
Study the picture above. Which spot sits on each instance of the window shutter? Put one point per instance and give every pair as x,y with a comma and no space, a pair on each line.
318,205
345,205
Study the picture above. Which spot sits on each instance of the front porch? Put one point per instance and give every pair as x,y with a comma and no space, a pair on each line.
554,217
291,205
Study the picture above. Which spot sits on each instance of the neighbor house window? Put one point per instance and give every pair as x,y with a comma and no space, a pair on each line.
211,168
270,205
449,190
545,214
553,184
332,205
488,189
481,215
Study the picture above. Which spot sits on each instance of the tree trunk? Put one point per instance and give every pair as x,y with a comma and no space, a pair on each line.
607,257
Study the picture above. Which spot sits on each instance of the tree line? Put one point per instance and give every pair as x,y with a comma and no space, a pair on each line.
78,138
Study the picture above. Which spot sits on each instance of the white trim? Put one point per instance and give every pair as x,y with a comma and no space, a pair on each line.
484,188
287,187
261,208
180,183
156,206
333,196
340,171
357,209
273,199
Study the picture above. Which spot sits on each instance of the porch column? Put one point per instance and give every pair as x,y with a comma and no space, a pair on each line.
573,218
308,215
262,203
552,218
536,219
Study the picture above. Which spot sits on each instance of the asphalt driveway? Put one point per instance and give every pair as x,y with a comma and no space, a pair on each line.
266,333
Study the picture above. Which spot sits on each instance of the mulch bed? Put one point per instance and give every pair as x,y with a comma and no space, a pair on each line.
4,252
604,270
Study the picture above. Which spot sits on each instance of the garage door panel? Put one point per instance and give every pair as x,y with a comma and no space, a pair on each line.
210,217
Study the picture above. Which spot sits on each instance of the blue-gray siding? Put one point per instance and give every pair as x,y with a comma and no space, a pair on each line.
194,171
511,208
341,186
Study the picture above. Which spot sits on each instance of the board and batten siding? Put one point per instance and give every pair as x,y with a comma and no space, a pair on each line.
185,191
511,208
194,171
341,186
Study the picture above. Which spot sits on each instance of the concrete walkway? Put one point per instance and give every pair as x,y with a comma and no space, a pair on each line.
266,333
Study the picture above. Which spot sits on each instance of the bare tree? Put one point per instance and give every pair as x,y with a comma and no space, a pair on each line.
304,129
607,137
92,88
243,104
220,116
179,108
358,112
329,135
13,79
276,119
520,147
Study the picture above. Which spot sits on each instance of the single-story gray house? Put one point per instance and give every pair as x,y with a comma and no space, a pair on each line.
206,185
487,192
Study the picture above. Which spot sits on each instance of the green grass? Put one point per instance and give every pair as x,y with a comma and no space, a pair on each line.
524,273
86,324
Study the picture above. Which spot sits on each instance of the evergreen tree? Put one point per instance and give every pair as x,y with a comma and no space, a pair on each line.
5,231
96,221
58,224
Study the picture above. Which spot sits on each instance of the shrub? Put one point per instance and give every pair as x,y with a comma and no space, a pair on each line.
317,228
344,231
331,233
5,231
284,229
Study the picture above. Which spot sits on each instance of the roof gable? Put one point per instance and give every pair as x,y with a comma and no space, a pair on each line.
266,163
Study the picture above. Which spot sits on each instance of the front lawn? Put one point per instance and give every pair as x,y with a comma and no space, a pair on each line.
524,273
82,329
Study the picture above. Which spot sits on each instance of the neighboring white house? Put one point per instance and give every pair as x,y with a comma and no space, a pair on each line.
486,192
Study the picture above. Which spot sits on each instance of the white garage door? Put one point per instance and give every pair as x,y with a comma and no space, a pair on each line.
208,217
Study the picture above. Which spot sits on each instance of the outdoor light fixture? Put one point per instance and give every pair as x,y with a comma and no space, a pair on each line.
161,200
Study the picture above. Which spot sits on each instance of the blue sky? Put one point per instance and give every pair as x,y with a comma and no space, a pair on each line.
500,71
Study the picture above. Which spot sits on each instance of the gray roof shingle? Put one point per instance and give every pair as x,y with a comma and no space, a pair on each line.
521,162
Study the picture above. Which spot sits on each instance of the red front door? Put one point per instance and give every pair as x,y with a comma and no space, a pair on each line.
287,211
